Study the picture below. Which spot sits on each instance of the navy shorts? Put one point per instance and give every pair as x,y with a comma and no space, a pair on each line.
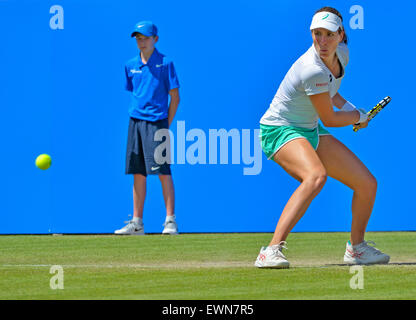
141,156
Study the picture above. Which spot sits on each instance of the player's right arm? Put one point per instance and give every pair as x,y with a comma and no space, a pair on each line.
315,82
323,105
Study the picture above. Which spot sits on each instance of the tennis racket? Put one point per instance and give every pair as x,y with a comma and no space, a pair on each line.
373,112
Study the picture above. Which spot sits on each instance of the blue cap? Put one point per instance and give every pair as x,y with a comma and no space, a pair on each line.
146,28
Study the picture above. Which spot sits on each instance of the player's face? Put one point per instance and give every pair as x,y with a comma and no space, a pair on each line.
146,44
326,41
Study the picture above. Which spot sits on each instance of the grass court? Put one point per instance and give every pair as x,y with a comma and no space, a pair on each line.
200,267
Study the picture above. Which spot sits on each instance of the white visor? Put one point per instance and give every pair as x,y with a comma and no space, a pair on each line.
326,20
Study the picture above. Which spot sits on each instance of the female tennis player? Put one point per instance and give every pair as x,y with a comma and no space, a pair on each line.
291,136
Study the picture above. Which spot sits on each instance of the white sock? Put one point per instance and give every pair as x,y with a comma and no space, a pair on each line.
137,220
357,245
170,218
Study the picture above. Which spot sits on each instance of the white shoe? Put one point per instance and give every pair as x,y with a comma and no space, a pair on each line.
272,257
364,254
132,228
170,226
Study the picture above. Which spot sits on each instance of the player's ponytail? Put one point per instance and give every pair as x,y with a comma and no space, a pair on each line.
335,11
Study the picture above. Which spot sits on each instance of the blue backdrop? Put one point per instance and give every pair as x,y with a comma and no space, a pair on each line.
62,93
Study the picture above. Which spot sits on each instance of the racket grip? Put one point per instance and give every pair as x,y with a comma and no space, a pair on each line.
356,129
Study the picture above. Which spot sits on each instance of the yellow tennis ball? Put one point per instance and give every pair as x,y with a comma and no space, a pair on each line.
43,161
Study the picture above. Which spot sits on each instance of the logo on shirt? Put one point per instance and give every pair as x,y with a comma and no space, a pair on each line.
135,71
159,65
322,84
330,78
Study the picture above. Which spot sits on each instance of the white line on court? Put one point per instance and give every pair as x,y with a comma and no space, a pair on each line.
180,265
189,265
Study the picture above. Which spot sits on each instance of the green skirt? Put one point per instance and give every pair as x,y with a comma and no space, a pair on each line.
274,137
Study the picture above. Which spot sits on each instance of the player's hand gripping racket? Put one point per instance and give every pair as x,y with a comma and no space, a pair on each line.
373,112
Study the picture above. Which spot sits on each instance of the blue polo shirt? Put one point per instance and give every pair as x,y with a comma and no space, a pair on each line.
150,84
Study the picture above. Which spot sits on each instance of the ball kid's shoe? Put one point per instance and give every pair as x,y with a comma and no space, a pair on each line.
170,225
132,228
272,257
363,253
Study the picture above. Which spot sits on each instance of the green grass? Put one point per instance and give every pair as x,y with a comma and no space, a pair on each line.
200,266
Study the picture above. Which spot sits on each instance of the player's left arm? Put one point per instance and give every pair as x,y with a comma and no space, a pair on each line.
338,101
174,103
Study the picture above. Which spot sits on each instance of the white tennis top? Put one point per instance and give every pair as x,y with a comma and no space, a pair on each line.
291,105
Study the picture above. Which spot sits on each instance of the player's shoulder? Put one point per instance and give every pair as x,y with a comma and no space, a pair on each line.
312,71
308,65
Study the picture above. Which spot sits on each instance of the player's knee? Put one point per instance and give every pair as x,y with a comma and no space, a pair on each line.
320,180
317,180
368,186
371,184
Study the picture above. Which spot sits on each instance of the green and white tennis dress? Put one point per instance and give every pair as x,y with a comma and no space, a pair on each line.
291,114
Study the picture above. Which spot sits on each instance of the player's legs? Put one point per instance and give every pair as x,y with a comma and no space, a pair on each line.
168,193
343,165
139,195
300,160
